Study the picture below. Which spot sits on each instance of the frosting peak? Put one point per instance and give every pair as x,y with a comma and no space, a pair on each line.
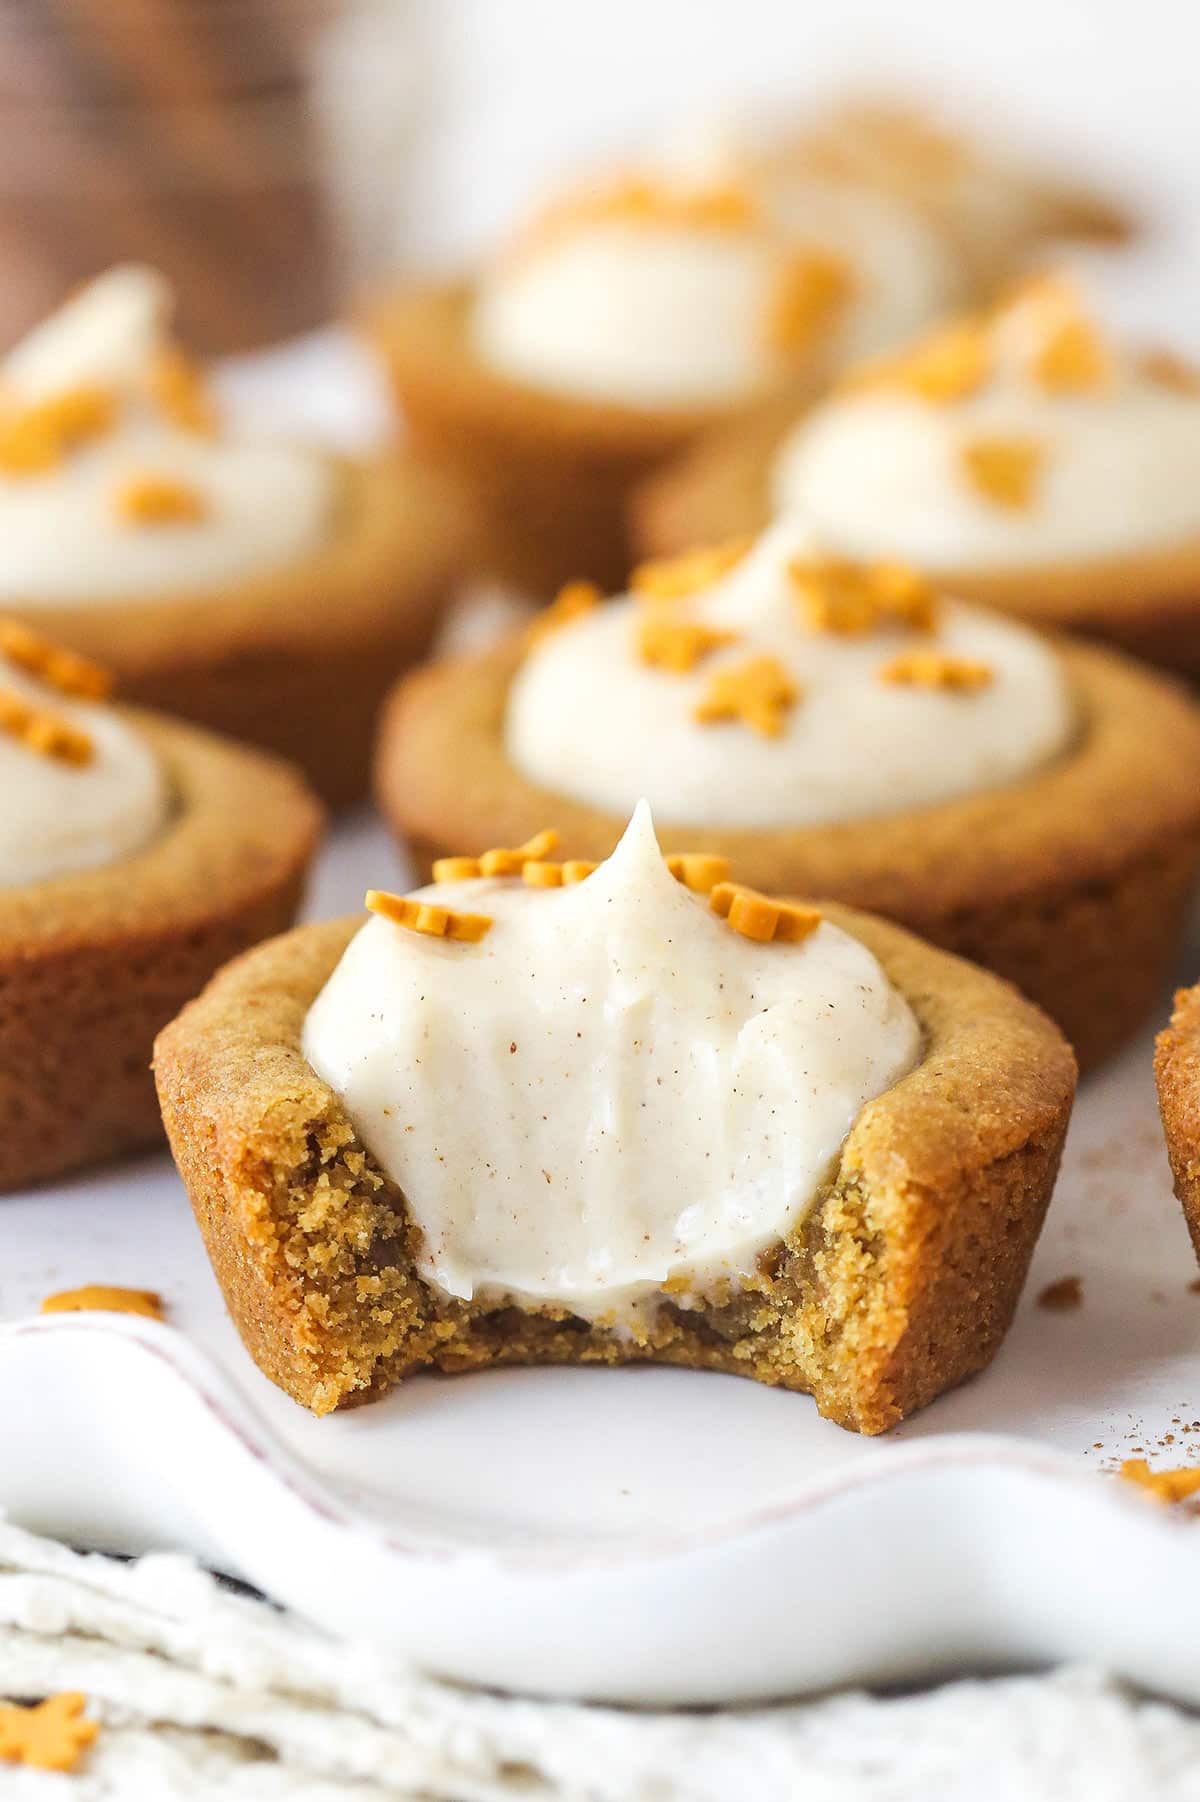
611,1091
117,480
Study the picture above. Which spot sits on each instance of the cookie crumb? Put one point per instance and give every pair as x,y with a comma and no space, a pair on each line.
1063,1296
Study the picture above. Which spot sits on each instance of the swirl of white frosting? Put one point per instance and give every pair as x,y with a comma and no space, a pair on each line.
587,719
59,818
65,537
658,311
880,471
612,1089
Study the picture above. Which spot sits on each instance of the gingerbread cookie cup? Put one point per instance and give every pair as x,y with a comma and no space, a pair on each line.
550,473
900,1282
1147,604
1072,882
1177,1072
296,659
92,964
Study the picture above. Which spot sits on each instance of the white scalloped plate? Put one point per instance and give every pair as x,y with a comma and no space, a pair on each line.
639,1535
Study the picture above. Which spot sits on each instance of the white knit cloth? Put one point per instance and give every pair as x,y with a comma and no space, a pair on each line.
205,1694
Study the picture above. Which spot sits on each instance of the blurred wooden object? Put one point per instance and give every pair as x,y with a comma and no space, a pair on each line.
174,132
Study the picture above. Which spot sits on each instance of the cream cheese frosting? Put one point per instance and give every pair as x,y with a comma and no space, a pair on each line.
676,291
1112,459
588,718
68,530
58,818
612,1090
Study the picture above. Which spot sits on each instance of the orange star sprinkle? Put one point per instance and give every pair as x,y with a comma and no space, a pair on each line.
935,669
42,731
1168,1485
699,871
1072,360
678,645
853,599
674,578
808,299
637,200
48,1737
149,500
946,366
37,437
176,384
762,917
759,693
421,916
1003,470
101,1298
62,669
571,602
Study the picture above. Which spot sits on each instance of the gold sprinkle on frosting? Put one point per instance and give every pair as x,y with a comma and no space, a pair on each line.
423,917
947,365
759,694
808,300
151,500
571,602
49,1736
675,578
699,871
640,201
500,861
1004,471
937,669
541,874
834,594
40,730
678,645
177,386
62,669
1072,360
762,917
38,437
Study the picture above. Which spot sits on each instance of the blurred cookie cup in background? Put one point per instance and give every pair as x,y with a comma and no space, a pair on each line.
626,318
262,587
1022,456
137,854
